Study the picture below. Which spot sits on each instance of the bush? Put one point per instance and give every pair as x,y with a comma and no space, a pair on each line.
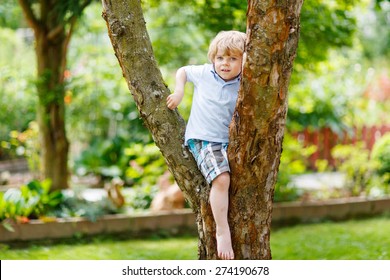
354,161
75,204
146,164
17,89
36,201
26,144
381,156
293,161
136,164
141,197
30,201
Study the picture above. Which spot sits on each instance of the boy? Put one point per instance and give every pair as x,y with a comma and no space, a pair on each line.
207,134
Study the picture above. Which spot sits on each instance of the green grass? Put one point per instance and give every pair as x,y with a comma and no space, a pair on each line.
108,248
351,240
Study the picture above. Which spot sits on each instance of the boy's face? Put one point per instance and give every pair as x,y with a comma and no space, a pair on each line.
228,65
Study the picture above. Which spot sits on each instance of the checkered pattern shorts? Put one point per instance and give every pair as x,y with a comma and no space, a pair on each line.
211,157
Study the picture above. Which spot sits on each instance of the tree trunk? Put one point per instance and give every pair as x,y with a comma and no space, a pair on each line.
51,108
53,28
257,128
131,43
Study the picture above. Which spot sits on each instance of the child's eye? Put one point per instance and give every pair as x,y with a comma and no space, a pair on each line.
219,58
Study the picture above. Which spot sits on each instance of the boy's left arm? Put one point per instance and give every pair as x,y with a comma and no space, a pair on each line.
174,99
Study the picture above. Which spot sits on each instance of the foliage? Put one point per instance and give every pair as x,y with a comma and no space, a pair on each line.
66,10
10,15
36,201
324,25
375,34
354,161
141,197
103,157
175,37
285,192
30,201
15,87
333,93
26,144
97,100
146,164
324,98
381,155
293,161
136,164
75,204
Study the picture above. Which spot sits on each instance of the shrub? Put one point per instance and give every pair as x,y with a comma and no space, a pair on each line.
293,161
381,156
35,200
30,201
354,161
140,197
16,88
136,164
26,144
75,204
146,164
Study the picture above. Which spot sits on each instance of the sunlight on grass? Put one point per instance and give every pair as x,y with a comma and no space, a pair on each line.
182,248
351,240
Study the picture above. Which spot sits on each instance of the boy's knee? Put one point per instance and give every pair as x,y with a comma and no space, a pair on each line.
222,181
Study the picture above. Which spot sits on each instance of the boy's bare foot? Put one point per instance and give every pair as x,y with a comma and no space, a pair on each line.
224,246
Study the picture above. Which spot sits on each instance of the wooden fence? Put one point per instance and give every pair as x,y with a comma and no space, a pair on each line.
325,139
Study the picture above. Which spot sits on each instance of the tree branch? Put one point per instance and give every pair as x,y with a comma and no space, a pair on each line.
71,21
55,32
84,5
67,41
30,17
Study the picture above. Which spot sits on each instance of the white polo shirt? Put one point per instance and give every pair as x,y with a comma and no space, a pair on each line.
213,104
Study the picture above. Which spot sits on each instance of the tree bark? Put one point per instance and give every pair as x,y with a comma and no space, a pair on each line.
51,109
257,128
131,43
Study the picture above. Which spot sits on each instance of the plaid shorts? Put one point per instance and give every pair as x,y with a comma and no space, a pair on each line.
211,157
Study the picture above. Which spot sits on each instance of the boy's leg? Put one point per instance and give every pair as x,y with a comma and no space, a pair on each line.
219,200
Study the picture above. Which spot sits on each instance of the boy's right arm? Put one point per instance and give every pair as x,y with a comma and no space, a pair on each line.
175,98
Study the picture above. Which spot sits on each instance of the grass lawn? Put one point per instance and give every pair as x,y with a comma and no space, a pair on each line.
351,240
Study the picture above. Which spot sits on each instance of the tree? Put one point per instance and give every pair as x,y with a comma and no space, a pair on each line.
258,123
53,22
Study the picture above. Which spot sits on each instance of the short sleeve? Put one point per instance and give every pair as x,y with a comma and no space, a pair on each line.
194,72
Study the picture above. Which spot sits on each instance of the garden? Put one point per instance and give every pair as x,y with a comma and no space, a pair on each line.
337,125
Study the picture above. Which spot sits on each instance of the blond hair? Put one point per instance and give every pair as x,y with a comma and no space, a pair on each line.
227,42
